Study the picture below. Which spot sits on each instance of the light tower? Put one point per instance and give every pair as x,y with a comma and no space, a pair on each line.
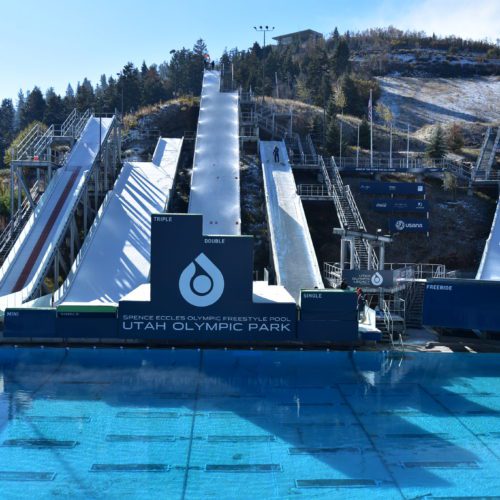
264,30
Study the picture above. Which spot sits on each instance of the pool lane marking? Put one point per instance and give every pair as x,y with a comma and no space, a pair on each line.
191,433
372,442
459,420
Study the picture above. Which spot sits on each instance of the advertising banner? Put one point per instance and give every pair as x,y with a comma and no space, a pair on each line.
395,205
370,278
406,188
403,225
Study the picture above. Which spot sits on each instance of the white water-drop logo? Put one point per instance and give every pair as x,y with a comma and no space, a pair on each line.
201,283
400,225
377,279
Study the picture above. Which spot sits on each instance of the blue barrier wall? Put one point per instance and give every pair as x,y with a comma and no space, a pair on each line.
463,304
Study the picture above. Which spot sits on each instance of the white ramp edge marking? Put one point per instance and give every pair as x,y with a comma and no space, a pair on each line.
294,257
215,182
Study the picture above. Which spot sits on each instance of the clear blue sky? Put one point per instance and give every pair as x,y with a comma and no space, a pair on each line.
56,42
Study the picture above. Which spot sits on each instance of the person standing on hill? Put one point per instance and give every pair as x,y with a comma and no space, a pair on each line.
276,154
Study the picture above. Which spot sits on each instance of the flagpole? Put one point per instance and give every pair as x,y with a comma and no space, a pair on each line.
408,148
390,148
371,129
340,141
357,150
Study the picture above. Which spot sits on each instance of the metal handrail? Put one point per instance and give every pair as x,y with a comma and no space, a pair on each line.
481,152
316,190
22,149
492,154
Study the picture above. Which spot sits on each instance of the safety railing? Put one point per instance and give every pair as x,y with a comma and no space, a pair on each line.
313,191
482,152
332,273
18,220
418,271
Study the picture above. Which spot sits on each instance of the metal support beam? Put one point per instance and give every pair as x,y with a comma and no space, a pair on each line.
342,253
352,249
26,191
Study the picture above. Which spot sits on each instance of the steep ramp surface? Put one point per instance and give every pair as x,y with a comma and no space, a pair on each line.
35,246
489,269
115,258
294,257
215,184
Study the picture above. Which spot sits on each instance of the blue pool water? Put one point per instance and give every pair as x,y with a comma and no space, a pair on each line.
188,424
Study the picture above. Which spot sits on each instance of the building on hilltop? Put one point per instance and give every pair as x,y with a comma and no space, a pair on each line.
299,37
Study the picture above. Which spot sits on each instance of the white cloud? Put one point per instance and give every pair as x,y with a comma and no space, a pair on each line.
477,19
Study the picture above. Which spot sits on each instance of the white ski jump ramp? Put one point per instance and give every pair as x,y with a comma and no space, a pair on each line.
32,253
489,269
215,183
115,258
294,257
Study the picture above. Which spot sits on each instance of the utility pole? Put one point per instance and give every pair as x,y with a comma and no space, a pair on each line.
357,150
390,147
340,140
370,112
264,30
408,148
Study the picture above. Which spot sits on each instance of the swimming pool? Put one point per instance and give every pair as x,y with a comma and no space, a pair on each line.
189,424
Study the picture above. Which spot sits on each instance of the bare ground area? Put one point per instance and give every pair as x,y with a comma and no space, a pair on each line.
424,101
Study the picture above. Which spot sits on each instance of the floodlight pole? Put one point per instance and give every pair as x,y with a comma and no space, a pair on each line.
264,30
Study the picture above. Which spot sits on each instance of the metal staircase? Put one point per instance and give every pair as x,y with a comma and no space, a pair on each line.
347,212
483,171
16,225
414,313
37,144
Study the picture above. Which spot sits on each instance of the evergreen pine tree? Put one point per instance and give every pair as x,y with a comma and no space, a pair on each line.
340,59
21,104
55,111
34,109
69,100
85,98
333,138
436,148
130,84
7,117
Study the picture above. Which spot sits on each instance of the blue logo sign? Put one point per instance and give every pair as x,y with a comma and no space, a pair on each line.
201,283
401,225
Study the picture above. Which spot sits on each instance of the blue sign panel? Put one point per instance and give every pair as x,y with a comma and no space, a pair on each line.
395,205
463,304
406,188
403,225
202,290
